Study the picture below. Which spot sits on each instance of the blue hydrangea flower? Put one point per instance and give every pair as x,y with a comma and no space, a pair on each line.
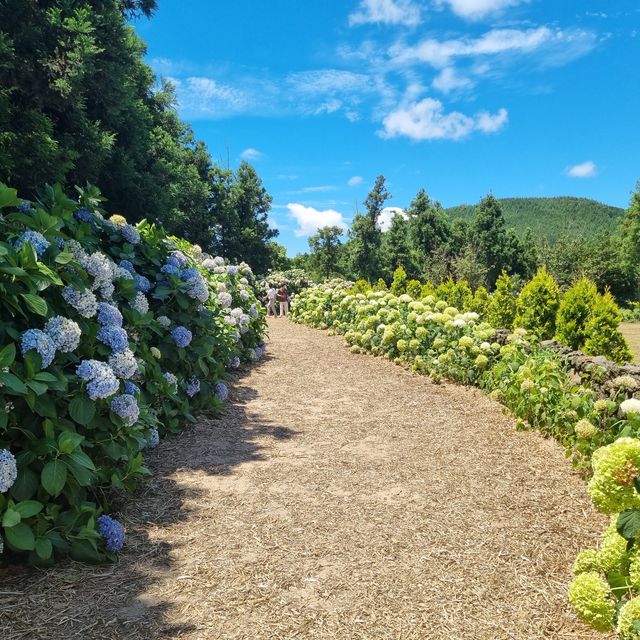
65,333
127,266
163,321
24,207
259,352
131,389
153,438
112,532
37,241
39,341
140,303
109,315
99,266
232,270
170,378
102,381
126,407
253,312
123,364
142,283
114,337
130,234
190,274
8,470
84,215
178,258
222,391
170,269
84,302
193,388
182,337
244,294
235,362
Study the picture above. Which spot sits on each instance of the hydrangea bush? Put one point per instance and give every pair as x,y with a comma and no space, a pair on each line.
111,336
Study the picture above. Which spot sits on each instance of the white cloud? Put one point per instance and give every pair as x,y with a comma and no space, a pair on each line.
354,181
477,9
427,120
586,169
387,214
403,12
251,154
491,123
449,80
555,46
315,189
310,220
200,96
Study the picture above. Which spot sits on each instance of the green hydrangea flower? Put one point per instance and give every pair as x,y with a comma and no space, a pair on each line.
586,562
592,599
615,467
634,568
612,555
629,616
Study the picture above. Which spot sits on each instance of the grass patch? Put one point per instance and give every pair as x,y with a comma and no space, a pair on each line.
631,331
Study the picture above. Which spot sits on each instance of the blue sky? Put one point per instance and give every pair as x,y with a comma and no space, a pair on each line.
461,97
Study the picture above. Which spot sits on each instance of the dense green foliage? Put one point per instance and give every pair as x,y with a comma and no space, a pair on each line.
551,217
78,104
601,330
111,335
574,311
538,304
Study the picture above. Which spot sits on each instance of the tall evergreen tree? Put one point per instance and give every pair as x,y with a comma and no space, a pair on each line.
489,236
364,245
395,247
326,248
429,229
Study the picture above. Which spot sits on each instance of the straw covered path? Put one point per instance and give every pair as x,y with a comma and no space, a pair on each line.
338,496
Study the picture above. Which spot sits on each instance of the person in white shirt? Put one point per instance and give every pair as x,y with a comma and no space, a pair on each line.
271,301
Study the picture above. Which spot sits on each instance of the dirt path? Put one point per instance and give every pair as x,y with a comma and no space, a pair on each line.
339,497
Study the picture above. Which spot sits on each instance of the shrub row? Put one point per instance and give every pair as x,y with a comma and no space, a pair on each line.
434,338
580,318
110,336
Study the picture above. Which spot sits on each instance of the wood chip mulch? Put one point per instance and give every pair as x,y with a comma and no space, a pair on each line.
338,496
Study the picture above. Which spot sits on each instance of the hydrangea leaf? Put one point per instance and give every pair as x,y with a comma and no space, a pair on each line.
628,524
21,537
26,485
44,548
28,508
53,477
82,410
68,441
11,518
7,355
35,303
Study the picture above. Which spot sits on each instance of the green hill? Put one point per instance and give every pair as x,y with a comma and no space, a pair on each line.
551,217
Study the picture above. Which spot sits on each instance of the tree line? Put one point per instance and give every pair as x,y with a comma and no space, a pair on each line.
428,246
79,105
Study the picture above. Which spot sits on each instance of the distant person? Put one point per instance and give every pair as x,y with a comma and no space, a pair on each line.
271,301
283,300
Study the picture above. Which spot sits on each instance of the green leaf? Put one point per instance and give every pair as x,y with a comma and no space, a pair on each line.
8,196
13,383
26,484
21,537
35,303
44,548
45,376
628,524
53,477
82,410
40,388
11,518
45,407
81,458
13,271
64,257
7,355
68,441
83,476
28,508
